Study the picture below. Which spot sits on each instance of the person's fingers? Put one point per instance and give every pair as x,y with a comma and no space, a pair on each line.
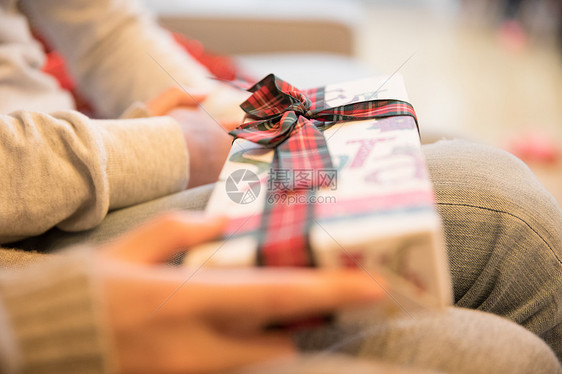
196,347
243,351
159,239
191,100
173,97
214,351
258,296
229,126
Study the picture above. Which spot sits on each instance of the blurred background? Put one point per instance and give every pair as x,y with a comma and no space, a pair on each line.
485,70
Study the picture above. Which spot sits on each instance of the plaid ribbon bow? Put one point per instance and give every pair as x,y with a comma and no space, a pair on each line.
288,120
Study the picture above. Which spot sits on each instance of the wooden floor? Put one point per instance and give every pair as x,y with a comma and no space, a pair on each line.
465,82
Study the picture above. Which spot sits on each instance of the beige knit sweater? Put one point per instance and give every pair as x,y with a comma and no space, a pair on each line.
60,168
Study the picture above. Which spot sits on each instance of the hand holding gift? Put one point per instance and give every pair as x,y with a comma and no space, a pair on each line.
207,140
169,320
333,177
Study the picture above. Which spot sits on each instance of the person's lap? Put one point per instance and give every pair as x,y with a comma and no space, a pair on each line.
502,228
455,340
504,236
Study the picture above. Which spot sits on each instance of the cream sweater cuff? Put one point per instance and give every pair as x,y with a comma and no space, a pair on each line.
147,158
51,312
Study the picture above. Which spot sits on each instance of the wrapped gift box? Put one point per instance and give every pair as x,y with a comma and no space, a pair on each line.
376,211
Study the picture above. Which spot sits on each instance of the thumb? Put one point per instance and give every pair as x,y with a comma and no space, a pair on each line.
159,239
173,97
230,125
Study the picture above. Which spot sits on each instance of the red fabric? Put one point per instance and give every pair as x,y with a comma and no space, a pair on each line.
221,67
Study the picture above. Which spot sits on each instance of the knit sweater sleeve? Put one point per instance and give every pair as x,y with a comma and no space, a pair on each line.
116,51
118,55
67,170
50,318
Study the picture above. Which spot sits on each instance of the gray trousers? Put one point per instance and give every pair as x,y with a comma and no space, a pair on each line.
504,240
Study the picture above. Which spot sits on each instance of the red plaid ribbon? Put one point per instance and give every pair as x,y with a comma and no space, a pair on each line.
292,123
